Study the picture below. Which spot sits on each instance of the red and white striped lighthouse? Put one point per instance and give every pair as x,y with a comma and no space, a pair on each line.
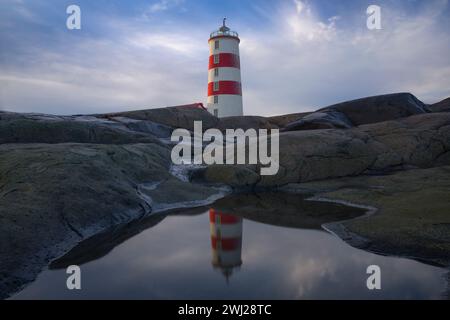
224,74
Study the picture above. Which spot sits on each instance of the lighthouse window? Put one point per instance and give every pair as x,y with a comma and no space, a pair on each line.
216,72
216,86
216,99
216,112
216,44
216,59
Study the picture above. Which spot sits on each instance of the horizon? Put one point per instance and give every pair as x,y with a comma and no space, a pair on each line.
245,115
152,54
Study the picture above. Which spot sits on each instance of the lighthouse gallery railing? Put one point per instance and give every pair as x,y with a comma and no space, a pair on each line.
226,33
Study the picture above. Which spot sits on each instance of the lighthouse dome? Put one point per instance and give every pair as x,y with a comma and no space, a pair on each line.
224,31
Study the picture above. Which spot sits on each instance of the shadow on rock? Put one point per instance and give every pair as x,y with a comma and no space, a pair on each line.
285,210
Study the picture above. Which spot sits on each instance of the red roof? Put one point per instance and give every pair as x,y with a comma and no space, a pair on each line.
197,105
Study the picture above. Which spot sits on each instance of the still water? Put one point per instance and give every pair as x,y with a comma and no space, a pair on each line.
265,246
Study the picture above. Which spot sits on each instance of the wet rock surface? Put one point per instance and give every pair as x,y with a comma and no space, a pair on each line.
412,212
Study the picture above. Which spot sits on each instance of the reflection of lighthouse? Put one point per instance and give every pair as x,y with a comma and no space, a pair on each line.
226,241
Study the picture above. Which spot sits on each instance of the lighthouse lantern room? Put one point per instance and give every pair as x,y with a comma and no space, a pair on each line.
224,73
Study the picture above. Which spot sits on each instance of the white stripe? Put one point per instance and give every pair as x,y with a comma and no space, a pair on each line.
225,74
226,45
229,105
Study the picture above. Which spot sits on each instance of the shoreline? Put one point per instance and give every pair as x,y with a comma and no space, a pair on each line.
339,230
58,250
336,228
406,213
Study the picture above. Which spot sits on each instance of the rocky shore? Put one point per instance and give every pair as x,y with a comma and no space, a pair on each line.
410,217
64,179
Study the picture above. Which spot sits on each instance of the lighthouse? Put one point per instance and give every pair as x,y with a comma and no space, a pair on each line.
224,74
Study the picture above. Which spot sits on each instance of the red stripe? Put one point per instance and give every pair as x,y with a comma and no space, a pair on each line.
225,87
222,218
226,244
229,60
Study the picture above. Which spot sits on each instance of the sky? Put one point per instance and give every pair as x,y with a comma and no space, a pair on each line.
296,55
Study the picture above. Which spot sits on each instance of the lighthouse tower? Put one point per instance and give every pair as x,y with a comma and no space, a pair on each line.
224,74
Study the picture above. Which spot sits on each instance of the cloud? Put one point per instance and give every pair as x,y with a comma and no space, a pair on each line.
299,5
178,43
305,26
163,5
307,62
103,76
298,58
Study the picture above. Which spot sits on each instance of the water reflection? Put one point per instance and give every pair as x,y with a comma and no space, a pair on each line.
226,242
286,210
284,255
